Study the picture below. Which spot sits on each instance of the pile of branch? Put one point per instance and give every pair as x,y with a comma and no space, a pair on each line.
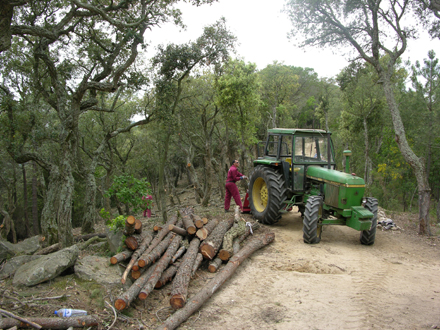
175,254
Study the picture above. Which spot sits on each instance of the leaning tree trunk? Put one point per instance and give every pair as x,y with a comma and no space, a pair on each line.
411,158
209,289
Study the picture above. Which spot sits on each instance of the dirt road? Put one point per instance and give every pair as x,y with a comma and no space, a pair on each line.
336,284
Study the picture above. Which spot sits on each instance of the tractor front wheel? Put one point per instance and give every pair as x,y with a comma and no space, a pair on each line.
312,215
267,193
367,237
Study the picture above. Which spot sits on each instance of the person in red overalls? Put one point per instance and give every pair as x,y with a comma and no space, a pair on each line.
231,187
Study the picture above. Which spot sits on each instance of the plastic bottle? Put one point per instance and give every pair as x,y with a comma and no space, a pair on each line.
67,312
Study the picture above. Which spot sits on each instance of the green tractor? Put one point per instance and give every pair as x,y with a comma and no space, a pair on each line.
298,168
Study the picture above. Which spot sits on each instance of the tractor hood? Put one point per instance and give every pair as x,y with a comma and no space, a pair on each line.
334,177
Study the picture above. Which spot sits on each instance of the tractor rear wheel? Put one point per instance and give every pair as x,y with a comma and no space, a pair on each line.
367,237
267,193
312,215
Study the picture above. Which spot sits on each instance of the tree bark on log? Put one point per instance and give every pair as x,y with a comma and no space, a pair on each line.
198,221
138,227
161,265
228,249
183,276
129,225
187,221
204,232
147,259
52,322
167,275
125,299
161,234
124,255
197,264
177,230
214,265
179,253
209,289
213,242
134,242
136,254
49,249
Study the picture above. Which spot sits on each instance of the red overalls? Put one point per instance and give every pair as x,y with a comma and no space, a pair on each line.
231,187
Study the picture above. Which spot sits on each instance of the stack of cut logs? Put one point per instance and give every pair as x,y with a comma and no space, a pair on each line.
177,250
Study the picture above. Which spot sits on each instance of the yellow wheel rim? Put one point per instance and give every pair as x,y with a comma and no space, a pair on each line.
260,195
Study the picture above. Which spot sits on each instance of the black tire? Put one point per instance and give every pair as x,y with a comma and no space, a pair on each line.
267,193
312,215
367,237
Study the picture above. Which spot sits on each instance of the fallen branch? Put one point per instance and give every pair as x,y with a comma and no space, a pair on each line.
32,324
50,322
210,288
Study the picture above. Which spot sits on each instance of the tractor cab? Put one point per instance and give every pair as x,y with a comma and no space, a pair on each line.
296,150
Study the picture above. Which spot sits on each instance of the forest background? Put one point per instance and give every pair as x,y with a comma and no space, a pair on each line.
83,111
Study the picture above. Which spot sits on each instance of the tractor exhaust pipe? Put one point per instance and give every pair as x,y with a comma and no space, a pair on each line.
347,154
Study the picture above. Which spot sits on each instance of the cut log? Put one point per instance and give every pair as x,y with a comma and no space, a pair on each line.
237,230
157,228
124,255
161,234
125,299
136,254
187,221
135,274
51,322
198,222
214,265
210,288
197,264
183,276
135,266
179,253
167,275
147,259
134,242
203,233
129,225
138,227
213,242
161,265
177,230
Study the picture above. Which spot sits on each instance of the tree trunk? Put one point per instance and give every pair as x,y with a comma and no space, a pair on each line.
197,264
187,221
25,202
162,163
209,289
161,265
125,299
89,218
183,276
214,265
52,322
136,254
213,242
410,157
203,233
147,259
167,275
124,255
35,224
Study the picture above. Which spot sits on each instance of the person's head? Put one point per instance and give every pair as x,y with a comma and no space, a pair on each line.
235,163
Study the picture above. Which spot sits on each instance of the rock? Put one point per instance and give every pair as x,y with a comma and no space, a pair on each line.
28,246
14,263
6,250
46,268
114,239
99,270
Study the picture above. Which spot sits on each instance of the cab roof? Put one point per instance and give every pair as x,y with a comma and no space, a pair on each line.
296,130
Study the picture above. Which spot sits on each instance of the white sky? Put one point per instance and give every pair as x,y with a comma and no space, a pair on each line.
261,29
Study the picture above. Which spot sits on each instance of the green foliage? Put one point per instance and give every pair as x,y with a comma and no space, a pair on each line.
117,223
129,190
